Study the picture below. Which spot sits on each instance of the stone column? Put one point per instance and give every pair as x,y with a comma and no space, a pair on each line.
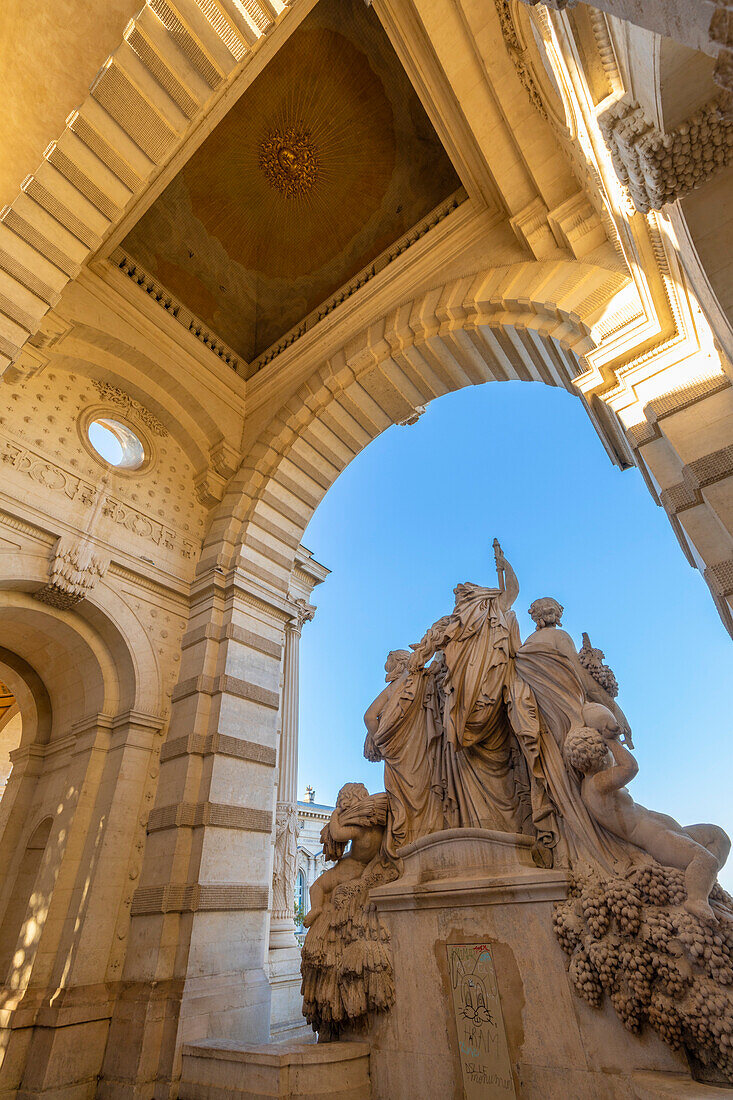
285,863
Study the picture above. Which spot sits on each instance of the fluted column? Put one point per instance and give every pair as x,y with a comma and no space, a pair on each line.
285,863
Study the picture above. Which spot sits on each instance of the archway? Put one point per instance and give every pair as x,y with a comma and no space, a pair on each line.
542,321
521,462
86,682
527,322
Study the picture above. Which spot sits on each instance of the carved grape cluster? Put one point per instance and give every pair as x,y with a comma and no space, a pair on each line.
631,938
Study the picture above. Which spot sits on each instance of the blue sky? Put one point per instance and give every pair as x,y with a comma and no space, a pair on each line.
416,512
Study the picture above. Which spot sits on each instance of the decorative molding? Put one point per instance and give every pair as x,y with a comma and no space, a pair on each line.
226,685
719,578
74,571
144,527
218,744
533,230
198,897
518,54
195,815
577,226
128,406
47,474
697,475
132,269
36,354
237,634
58,480
682,397
657,167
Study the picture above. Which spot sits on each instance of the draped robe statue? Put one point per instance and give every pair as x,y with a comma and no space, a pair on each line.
490,771
404,728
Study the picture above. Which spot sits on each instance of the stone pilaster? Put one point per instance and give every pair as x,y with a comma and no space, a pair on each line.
285,862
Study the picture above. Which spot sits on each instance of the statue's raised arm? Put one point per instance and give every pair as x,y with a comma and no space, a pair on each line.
508,583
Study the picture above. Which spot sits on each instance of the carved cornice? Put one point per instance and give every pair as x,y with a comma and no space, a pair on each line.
434,218
155,289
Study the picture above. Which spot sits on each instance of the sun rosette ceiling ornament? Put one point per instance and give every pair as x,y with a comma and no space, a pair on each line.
290,161
310,168
324,161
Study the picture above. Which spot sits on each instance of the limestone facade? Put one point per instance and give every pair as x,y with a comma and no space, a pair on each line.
147,611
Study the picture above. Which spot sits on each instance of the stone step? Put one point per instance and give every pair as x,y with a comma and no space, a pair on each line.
293,1031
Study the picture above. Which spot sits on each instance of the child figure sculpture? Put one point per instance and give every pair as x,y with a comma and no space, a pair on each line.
698,850
346,961
360,818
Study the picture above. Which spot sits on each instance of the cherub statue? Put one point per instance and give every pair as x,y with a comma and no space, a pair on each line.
698,850
346,961
360,818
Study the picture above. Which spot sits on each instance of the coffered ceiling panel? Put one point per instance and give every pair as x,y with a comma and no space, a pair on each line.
326,160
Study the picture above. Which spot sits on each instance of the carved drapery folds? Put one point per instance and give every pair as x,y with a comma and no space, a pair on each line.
74,571
285,862
658,167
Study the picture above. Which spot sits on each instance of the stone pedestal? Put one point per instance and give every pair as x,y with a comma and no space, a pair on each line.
286,1010
286,1071
477,887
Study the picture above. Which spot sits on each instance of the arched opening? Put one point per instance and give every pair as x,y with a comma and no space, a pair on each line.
26,911
11,726
521,463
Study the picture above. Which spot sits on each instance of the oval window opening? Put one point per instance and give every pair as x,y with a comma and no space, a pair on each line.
116,443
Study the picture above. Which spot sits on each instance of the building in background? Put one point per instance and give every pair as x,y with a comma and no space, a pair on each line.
312,816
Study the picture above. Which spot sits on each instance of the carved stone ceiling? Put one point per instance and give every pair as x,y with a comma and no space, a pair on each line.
325,161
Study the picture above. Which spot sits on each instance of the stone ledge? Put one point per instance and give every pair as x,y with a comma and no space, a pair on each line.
277,1054
674,1086
469,867
217,1069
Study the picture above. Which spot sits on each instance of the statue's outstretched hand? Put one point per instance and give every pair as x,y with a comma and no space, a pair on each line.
416,662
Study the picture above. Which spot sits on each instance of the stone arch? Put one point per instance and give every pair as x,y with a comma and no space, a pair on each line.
528,322
89,687
104,623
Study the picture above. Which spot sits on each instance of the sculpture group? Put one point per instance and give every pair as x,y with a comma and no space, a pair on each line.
479,729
